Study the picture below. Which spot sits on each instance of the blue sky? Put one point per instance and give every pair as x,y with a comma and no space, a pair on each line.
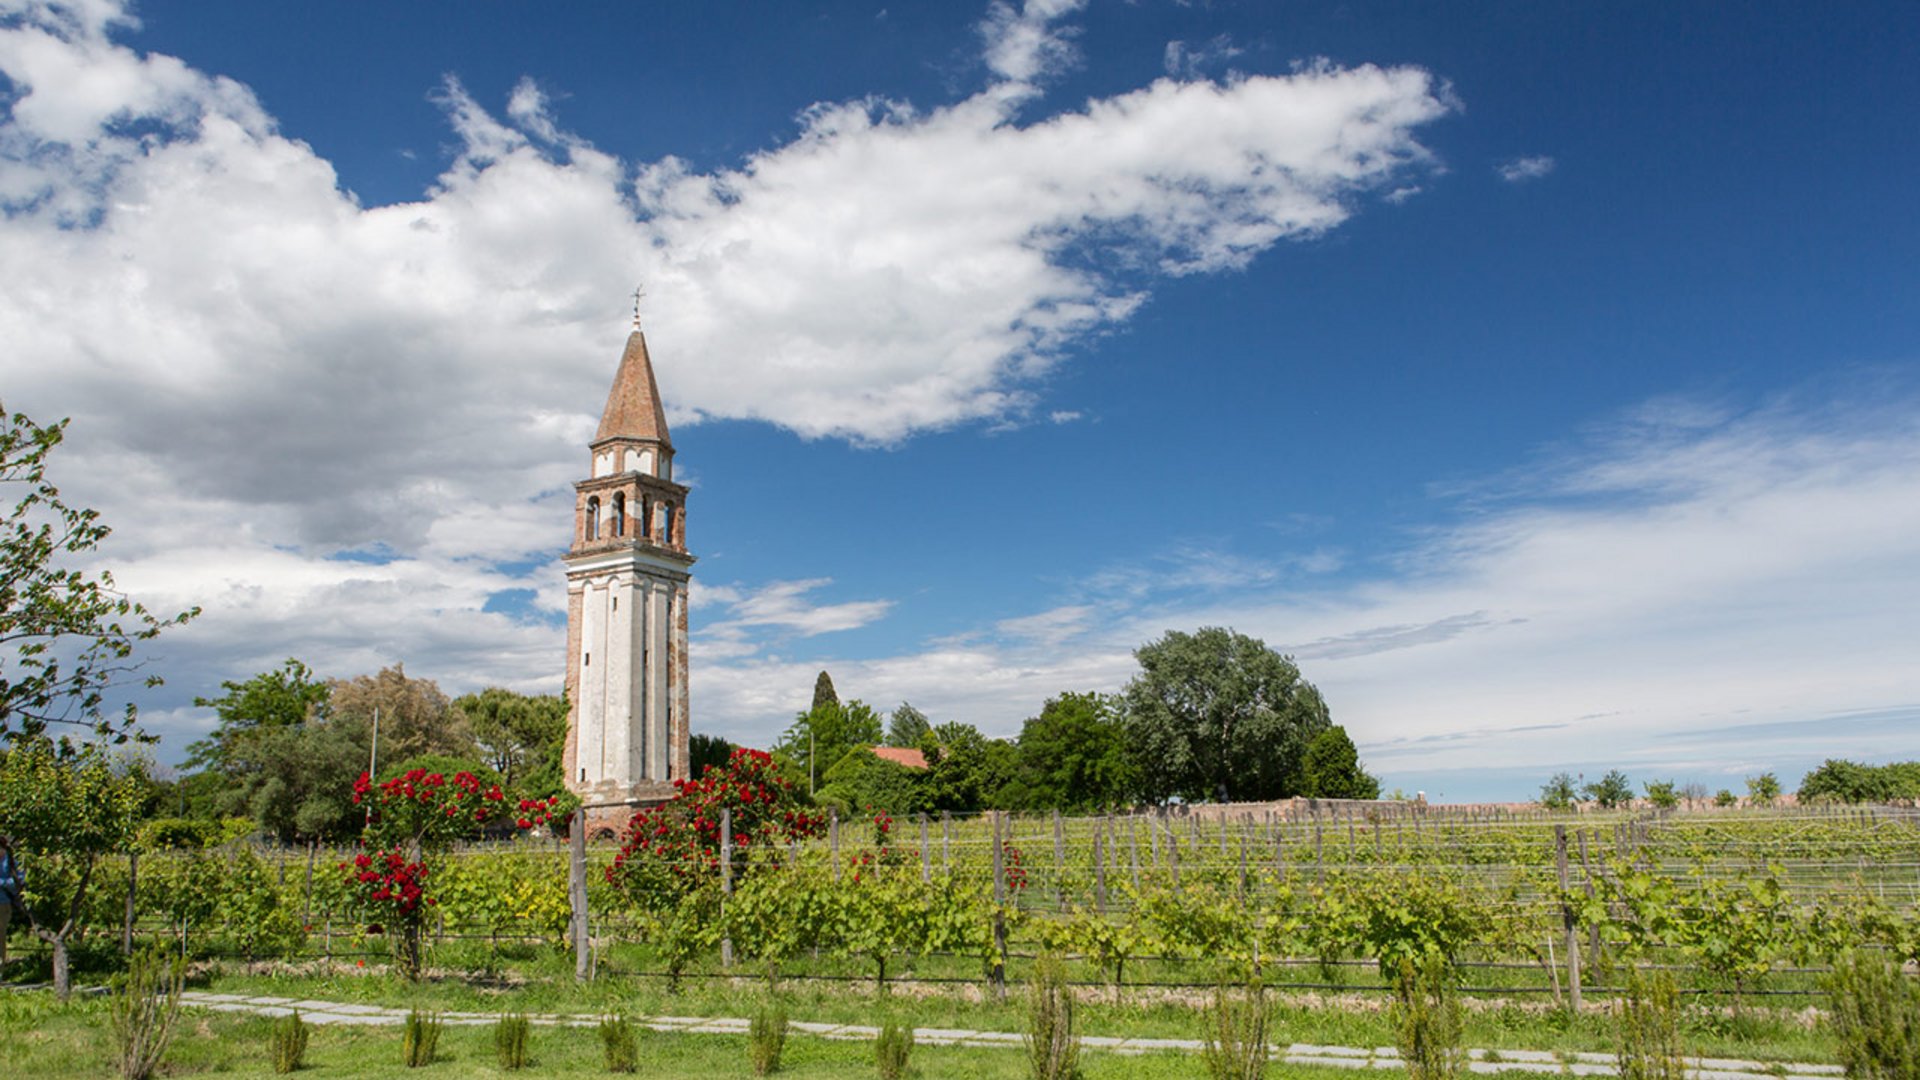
1541,376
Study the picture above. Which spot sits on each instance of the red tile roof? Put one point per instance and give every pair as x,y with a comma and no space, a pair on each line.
900,755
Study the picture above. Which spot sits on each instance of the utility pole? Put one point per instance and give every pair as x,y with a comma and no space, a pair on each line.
373,756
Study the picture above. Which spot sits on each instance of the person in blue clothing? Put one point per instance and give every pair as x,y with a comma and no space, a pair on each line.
11,882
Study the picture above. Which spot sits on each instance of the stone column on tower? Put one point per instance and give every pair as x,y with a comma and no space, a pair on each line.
627,574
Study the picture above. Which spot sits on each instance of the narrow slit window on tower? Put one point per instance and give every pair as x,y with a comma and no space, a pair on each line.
593,517
619,513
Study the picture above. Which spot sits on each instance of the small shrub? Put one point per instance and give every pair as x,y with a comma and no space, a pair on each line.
619,1049
1426,1019
1647,1029
891,1050
146,1005
510,1040
767,1037
1053,1050
289,1043
418,1038
1876,1017
1234,1046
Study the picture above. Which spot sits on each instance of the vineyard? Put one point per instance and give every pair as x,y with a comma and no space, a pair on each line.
1742,905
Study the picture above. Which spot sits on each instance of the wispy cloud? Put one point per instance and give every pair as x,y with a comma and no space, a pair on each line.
1521,169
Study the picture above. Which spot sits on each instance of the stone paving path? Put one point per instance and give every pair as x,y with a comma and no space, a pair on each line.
1533,1062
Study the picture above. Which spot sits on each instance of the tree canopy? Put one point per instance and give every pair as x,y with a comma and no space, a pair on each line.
821,736
1073,756
517,735
907,726
72,633
63,807
1217,715
1331,769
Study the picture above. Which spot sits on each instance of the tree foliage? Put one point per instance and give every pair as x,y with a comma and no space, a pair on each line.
517,735
820,737
907,726
64,808
415,717
1073,756
823,692
1218,715
1851,782
1610,791
1559,792
1331,769
286,697
73,635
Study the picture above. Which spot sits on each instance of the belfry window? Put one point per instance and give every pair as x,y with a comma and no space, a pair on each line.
646,517
619,513
666,527
593,517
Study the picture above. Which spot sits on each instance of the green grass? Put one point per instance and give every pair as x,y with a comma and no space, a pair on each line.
44,1040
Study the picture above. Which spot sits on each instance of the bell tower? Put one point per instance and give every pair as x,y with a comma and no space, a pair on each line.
627,575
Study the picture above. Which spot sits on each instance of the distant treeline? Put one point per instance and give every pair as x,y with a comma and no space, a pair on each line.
1852,782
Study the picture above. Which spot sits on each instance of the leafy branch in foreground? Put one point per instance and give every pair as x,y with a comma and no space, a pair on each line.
73,634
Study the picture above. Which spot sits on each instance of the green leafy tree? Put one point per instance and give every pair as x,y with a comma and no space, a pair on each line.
820,737
1763,789
823,692
1610,791
64,807
1217,715
1559,793
283,698
72,634
1662,794
957,774
1331,768
705,750
1073,756
289,779
863,780
1724,797
1851,782
907,726
516,734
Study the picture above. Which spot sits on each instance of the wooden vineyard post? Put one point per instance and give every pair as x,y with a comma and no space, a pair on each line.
1279,853
133,882
1586,878
726,880
1153,834
833,841
946,842
1223,836
306,913
1133,852
926,856
577,892
1567,919
1319,862
999,977
1173,857
1059,862
1100,826
1243,865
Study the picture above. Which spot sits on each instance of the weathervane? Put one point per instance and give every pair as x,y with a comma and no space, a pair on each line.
638,292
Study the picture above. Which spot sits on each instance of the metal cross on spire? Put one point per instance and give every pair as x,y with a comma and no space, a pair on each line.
638,292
